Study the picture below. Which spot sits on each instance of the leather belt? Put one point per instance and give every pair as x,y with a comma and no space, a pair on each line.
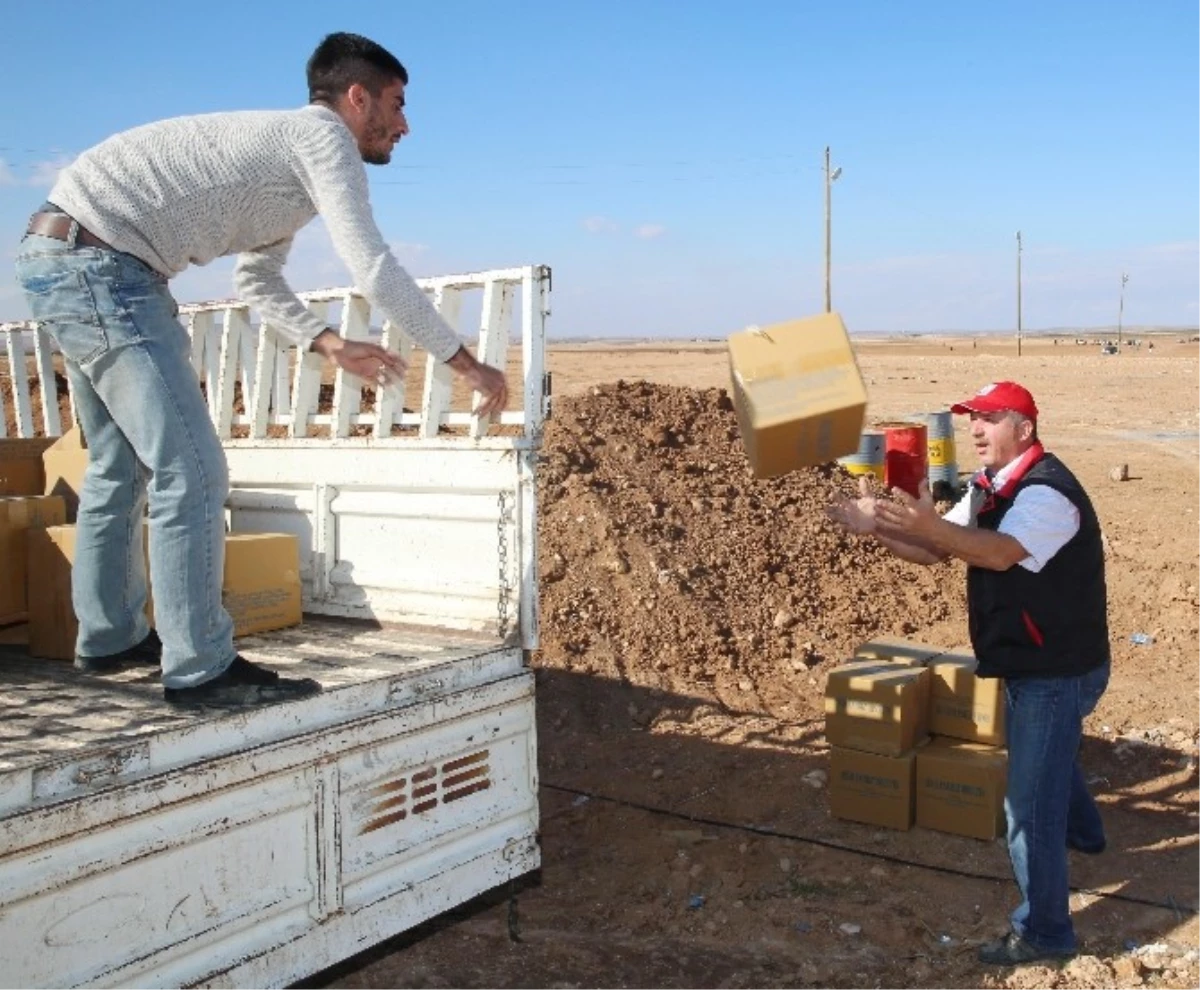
58,226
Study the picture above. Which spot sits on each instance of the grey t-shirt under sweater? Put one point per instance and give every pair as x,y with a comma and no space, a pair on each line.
184,191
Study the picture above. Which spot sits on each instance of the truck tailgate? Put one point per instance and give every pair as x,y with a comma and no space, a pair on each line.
254,847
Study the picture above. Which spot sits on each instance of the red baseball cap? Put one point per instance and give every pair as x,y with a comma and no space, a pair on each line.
1000,397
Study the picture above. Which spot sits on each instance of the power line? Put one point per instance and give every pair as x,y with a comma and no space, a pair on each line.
610,180
773,833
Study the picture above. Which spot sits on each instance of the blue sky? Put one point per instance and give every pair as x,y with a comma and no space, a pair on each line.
666,158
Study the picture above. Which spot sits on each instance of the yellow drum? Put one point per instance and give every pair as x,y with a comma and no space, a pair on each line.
869,458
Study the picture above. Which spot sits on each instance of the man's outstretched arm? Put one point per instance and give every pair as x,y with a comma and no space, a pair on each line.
916,520
859,516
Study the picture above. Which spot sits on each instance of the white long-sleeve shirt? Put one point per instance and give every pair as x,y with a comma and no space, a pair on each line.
1041,519
184,191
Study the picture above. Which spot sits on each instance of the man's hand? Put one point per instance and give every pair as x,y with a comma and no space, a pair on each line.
482,378
368,361
856,515
908,518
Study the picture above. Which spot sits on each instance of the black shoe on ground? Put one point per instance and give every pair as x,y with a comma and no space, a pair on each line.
244,683
1012,950
147,653
1092,850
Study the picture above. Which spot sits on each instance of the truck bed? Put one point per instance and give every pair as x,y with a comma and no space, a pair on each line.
257,846
61,731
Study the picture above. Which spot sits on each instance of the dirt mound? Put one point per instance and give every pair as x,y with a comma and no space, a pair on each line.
664,562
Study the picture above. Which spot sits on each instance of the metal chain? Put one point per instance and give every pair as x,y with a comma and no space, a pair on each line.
504,595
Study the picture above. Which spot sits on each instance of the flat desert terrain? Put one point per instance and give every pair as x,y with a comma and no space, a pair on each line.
689,617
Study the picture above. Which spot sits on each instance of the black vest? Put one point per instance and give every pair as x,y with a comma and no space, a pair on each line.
1053,623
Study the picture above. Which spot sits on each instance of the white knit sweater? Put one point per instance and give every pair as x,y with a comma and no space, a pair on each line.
185,191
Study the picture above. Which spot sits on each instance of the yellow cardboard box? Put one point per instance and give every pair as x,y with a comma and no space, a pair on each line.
53,628
876,706
962,705
870,788
52,625
18,516
961,787
64,463
799,395
262,581
261,588
21,471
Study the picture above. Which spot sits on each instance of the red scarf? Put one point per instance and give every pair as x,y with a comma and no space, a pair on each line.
1026,461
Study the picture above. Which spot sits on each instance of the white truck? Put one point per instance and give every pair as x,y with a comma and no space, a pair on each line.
144,846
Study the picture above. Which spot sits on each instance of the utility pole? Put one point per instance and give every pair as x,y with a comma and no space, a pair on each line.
1121,310
830,179
1018,293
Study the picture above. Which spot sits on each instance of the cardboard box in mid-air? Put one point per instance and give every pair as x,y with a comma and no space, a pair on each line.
799,395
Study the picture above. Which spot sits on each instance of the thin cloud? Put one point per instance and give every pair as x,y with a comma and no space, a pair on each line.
44,174
1187,249
599,225
648,231
7,177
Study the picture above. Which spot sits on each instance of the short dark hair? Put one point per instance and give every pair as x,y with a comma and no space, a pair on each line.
343,59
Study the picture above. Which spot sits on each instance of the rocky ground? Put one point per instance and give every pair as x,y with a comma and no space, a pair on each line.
690,614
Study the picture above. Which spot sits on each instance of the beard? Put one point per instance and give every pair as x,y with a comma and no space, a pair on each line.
376,146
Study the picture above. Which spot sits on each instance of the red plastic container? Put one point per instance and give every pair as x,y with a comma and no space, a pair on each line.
906,455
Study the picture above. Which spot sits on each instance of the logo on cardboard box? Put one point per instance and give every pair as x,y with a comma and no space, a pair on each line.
857,777
864,709
953,787
950,709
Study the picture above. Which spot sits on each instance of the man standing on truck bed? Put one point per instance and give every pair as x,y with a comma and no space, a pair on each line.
124,218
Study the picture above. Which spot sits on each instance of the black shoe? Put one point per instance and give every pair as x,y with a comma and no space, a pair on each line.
244,683
147,653
1012,950
1088,850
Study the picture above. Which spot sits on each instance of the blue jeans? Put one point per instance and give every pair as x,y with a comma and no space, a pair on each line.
1047,804
150,438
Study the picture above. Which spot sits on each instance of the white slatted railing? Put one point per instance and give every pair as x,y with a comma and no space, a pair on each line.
281,388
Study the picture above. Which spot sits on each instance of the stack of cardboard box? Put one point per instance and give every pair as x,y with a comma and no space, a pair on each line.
916,737
40,481
23,508
876,715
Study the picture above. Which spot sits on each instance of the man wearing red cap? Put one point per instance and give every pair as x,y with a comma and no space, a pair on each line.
1037,608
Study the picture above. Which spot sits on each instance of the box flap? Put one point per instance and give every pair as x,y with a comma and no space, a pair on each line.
958,751
785,350
872,677
894,648
71,440
21,471
954,672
